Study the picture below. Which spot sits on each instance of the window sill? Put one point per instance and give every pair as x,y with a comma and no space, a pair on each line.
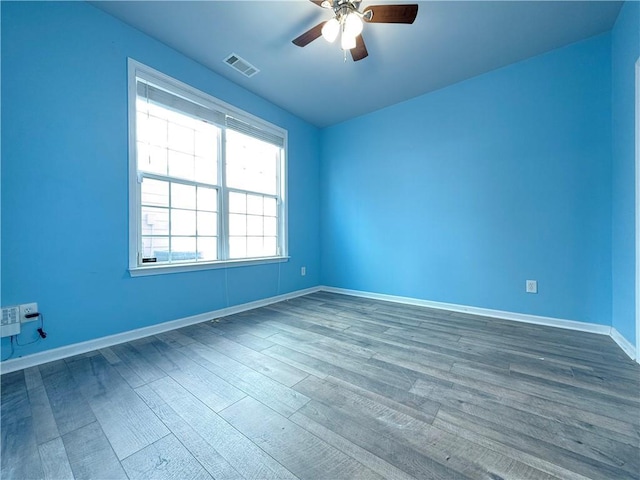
191,267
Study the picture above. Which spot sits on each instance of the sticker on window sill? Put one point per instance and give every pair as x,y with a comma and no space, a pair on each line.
149,260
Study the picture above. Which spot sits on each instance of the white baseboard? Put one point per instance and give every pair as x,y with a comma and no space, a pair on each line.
103,342
624,344
484,312
39,358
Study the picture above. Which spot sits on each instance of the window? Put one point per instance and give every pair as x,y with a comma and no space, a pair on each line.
206,179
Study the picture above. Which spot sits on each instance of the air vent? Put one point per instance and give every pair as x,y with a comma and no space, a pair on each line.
241,65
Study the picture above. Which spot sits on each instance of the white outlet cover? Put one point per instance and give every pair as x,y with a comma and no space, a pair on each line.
532,286
27,308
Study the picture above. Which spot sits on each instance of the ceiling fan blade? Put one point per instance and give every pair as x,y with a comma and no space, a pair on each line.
360,50
391,13
309,36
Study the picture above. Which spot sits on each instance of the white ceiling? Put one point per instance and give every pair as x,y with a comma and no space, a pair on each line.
449,41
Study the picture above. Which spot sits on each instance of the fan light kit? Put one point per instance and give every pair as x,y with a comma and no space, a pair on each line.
348,23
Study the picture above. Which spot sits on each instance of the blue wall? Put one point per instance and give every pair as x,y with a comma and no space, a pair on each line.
625,53
462,194
64,180
456,196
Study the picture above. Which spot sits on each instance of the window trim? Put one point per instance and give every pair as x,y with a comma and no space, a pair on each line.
161,268
135,70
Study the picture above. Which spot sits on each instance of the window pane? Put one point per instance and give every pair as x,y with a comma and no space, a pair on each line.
183,222
183,249
207,248
181,165
155,192
255,247
142,126
206,149
183,196
237,247
206,170
157,162
207,199
251,163
181,138
152,159
237,202
254,204
270,207
237,224
270,226
155,221
270,246
206,141
156,247
156,131
142,155
255,225
207,223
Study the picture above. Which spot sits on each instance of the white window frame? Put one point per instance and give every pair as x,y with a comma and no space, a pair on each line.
136,268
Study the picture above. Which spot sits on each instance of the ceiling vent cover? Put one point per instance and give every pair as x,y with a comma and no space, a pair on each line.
241,65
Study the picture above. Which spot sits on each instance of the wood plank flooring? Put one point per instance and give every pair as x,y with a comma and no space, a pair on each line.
328,386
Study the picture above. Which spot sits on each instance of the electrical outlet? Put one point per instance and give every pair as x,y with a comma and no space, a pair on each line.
532,286
26,309
303,271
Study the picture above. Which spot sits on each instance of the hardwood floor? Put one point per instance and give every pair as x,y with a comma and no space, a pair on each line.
327,387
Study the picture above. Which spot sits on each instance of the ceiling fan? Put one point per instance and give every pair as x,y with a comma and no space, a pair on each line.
347,22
